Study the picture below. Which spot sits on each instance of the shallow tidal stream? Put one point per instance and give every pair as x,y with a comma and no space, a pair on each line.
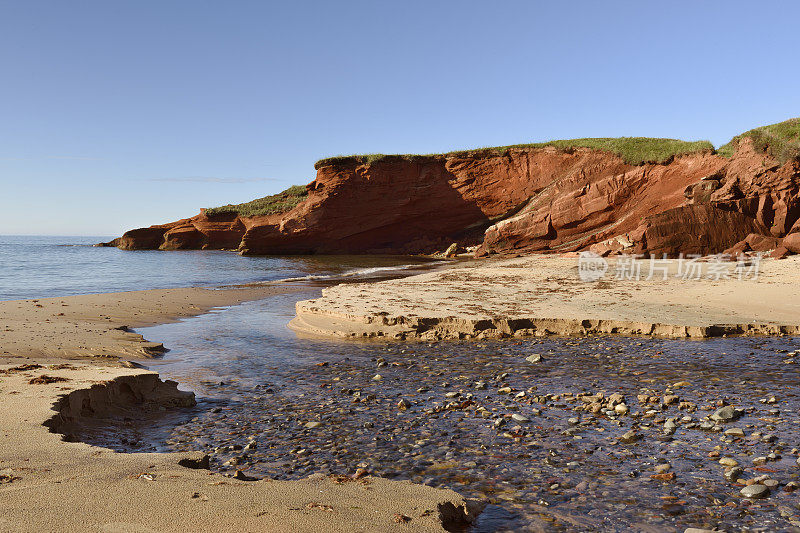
545,440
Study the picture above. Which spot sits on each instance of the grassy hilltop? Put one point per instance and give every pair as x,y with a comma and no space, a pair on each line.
269,205
781,140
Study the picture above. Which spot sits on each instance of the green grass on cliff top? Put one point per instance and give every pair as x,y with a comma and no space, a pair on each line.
269,205
634,150
781,140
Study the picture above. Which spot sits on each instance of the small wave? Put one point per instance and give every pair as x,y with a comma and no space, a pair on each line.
360,272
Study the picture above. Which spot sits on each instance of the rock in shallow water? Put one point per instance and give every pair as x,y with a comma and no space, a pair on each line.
662,468
733,474
726,414
755,491
734,432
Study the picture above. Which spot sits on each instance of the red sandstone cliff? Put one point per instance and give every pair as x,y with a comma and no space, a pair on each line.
701,203
522,200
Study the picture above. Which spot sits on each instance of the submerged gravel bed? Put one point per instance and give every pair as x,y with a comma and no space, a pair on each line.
590,434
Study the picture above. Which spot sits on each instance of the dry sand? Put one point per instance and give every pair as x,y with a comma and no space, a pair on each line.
50,485
540,295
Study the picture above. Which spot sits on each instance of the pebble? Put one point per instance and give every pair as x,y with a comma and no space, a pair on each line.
241,476
662,468
733,474
726,414
728,461
313,424
670,399
535,358
520,418
770,483
755,491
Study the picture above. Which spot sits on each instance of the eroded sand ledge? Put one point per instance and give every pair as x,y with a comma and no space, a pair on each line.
47,484
543,295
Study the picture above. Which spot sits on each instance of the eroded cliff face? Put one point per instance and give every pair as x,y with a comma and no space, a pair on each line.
523,200
592,202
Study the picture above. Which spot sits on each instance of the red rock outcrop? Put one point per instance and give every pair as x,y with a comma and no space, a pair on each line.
792,242
521,200
693,230
754,243
696,204
222,232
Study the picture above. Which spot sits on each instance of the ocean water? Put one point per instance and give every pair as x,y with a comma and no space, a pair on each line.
48,266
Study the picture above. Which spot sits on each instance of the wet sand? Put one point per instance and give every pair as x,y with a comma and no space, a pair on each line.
95,325
59,364
541,295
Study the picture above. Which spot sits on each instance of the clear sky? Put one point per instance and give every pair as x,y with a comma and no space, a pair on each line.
120,114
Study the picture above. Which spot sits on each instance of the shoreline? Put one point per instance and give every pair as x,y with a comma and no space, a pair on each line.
98,325
64,359
541,296
67,358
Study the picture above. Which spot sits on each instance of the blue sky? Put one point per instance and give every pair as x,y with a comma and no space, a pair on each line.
122,114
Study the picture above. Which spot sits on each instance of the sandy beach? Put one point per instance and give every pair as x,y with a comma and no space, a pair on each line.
62,360
541,295
66,359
